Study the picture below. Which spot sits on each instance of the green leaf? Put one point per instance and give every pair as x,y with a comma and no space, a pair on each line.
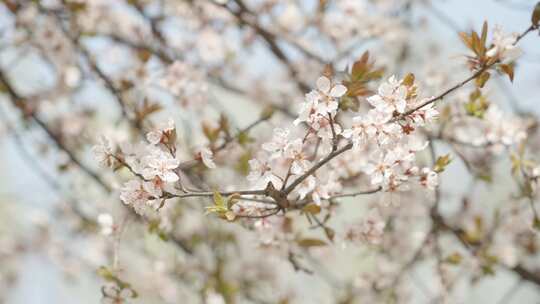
219,206
477,105
310,242
485,176
106,274
516,163
242,166
244,138
482,79
267,113
408,80
153,228
218,199
536,223
222,207
441,163
312,208
454,259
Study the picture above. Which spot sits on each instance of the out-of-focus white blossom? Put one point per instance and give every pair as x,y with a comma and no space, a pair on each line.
503,45
207,157
104,151
369,230
106,223
261,174
187,82
160,135
278,144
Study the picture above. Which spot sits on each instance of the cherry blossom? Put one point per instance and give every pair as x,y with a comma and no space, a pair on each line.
162,165
106,222
503,47
293,151
261,174
134,193
370,230
207,157
104,151
163,134
278,144
320,103
297,103
391,97
328,94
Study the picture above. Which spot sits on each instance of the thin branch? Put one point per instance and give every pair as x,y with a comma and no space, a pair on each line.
317,166
463,82
269,38
19,102
224,193
375,190
108,82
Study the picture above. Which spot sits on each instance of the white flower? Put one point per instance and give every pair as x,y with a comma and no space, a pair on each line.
103,151
372,227
329,94
389,133
429,179
187,83
503,46
415,144
161,165
133,193
535,172
324,128
141,195
261,174
72,76
154,188
214,298
279,141
326,189
381,168
308,109
207,157
363,129
306,186
161,134
105,221
503,130
369,230
293,151
291,18
211,46
391,97
321,102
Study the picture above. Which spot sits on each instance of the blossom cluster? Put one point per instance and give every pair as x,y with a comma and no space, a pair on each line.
154,163
494,130
187,83
383,139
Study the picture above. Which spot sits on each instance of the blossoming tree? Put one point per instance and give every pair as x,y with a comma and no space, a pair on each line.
247,151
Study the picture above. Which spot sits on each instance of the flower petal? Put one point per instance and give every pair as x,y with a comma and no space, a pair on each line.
323,84
338,90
